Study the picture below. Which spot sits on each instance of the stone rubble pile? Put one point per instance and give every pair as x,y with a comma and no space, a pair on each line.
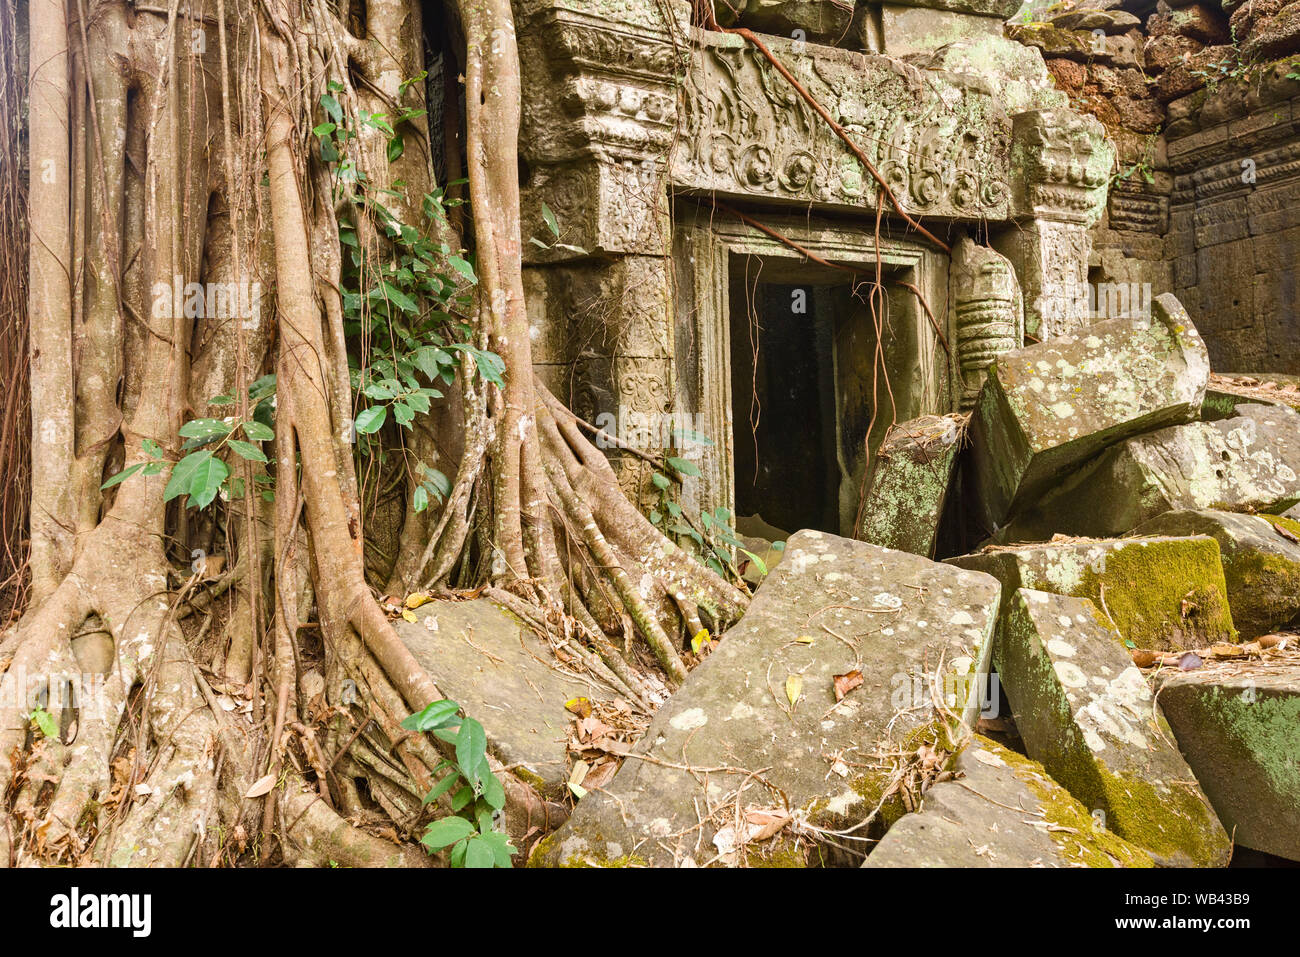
1118,567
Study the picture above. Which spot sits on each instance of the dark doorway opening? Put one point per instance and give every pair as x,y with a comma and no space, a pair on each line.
783,412
808,367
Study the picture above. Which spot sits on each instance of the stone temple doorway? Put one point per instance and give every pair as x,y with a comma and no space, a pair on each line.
804,365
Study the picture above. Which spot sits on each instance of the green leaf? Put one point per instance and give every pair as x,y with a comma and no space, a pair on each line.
205,429
683,466
441,788
258,432
444,831
460,800
463,267
493,793
396,147
437,715
458,854
323,129
501,846
123,475
549,218
371,419
471,750
661,482
198,475
758,562
45,721
479,853
420,498
332,108
247,450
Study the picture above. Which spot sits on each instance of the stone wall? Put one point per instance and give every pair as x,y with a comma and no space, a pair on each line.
1202,100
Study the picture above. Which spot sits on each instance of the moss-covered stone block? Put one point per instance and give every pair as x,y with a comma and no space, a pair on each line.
1004,811
1158,592
910,479
1046,409
757,724
1086,713
1248,463
1238,725
1261,562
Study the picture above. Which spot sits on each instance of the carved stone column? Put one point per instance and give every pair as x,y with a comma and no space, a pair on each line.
989,313
600,108
1063,160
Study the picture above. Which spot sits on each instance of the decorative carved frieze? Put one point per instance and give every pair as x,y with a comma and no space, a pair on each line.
1063,162
989,312
940,140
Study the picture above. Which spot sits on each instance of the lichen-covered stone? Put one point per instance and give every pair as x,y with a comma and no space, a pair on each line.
833,606
909,483
1238,725
1158,592
1046,409
1085,712
1261,562
1250,462
820,20
485,659
1005,812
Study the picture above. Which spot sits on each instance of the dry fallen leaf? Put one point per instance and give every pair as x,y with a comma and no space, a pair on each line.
1143,658
261,786
847,682
579,706
416,599
793,688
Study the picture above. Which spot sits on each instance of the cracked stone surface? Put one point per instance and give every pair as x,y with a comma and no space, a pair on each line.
1261,562
494,667
834,605
1086,713
1046,409
1002,811
1250,462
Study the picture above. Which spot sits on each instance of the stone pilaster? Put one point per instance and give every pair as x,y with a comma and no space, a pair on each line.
1065,160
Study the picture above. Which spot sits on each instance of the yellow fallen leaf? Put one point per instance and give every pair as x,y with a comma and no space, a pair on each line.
579,706
409,615
804,639
794,688
416,599
700,640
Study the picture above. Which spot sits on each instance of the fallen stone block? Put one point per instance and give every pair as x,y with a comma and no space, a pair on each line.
1247,463
1085,712
1003,811
1238,725
501,673
1261,562
758,719
1158,593
1047,409
909,483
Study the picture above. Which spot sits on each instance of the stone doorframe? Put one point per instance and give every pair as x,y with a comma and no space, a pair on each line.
704,243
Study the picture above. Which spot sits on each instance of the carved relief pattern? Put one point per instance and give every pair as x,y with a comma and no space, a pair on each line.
989,313
942,147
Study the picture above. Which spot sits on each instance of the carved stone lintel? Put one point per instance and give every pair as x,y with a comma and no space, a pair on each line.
989,312
940,140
